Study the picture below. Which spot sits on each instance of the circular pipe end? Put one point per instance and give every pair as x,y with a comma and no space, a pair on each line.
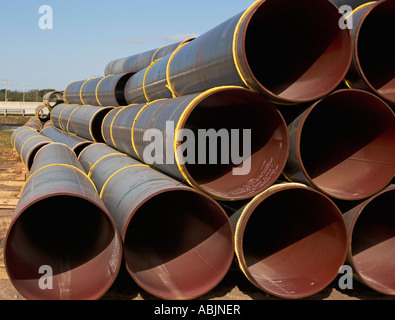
67,238
180,253
307,54
291,241
372,242
355,130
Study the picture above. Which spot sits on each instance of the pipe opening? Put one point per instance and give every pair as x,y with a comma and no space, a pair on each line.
119,91
32,153
268,143
96,125
80,147
72,236
375,49
182,252
294,242
307,54
373,243
346,145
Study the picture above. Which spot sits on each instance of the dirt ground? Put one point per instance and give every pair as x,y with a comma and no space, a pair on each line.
234,286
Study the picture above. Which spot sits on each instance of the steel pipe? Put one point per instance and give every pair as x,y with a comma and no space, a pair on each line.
42,113
61,223
139,61
371,23
290,240
343,145
216,109
180,253
371,233
110,90
150,84
72,93
83,121
27,143
306,55
49,96
88,92
34,123
76,143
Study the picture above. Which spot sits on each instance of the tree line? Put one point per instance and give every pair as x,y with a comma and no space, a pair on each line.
29,96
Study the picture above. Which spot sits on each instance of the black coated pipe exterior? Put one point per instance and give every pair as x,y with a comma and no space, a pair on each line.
139,61
84,121
178,242
61,223
27,143
76,143
216,109
305,55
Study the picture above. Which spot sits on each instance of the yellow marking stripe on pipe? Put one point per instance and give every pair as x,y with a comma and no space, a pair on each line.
359,8
235,41
116,172
134,123
238,244
155,53
64,94
68,120
86,81
20,133
182,119
112,124
97,87
36,136
145,75
169,85
102,158
60,165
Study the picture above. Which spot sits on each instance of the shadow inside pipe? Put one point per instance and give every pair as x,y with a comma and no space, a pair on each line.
379,69
177,246
268,144
294,250
63,232
355,133
307,54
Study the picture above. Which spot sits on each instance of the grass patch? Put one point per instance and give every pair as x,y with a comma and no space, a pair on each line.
16,120
5,139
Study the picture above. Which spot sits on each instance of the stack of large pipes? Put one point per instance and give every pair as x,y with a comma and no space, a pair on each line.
305,186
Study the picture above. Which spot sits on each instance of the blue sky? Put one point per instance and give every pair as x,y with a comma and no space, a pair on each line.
87,34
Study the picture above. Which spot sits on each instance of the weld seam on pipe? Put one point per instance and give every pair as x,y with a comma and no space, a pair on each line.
116,172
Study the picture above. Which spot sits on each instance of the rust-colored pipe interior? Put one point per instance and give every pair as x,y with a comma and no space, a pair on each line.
373,243
294,242
296,50
376,51
72,236
269,144
178,246
347,145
